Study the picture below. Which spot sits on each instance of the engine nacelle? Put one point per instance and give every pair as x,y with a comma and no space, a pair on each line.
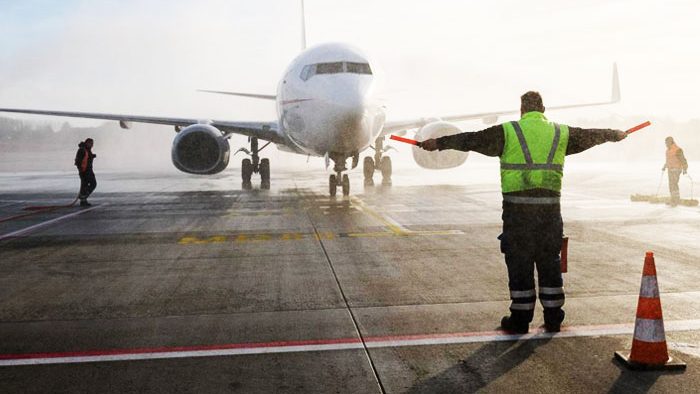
438,159
200,149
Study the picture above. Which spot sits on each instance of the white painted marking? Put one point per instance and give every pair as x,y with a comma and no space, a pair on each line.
326,345
46,223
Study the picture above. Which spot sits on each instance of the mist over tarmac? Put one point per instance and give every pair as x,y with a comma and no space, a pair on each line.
444,58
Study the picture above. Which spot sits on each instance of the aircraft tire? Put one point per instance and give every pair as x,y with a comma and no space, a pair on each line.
246,173
386,168
346,185
265,174
368,170
332,185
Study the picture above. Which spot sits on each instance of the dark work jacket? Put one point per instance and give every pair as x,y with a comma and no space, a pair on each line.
80,157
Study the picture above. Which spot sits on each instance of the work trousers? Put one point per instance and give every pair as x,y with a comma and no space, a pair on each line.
532,236
674,175
88,183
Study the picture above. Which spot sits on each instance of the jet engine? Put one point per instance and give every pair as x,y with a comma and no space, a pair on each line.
438,159
200,149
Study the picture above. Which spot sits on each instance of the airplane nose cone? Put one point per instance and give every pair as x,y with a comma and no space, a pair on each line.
349,98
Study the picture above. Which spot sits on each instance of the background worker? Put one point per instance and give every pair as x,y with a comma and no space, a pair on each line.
675,163
83,160
532,153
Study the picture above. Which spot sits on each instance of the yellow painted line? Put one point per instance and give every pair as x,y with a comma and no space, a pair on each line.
371,235
392,225
296,236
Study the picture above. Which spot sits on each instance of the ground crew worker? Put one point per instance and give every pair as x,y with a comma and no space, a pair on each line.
532,153
83,160
675,163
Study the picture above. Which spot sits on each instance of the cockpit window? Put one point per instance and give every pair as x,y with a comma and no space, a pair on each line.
329,68
334,68
358,68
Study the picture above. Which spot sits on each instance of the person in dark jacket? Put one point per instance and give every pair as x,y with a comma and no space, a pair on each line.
675,163
532,152
83,160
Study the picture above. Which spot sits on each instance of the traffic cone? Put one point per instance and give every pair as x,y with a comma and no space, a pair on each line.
649,350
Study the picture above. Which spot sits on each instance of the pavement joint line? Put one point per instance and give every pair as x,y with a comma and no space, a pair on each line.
353,318
37,226
316,345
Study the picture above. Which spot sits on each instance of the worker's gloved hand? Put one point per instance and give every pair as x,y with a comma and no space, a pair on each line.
429,145
619,135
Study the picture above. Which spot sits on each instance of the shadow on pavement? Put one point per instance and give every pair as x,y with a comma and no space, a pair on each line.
485,365
631,381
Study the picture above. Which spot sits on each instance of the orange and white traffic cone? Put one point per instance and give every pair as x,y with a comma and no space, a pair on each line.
649,350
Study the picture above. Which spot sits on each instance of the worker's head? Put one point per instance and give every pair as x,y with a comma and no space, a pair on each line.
669,142
531,101
89,142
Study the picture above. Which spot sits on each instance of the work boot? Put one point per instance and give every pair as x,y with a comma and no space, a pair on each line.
553,319
512,326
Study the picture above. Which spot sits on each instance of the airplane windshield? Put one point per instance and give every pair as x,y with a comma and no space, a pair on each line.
334,68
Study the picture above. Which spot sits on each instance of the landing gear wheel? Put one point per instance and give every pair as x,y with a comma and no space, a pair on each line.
346,185
332,185
246,173
368,170
385,166
265,174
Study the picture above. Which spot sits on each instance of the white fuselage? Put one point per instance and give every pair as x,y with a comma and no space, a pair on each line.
326,102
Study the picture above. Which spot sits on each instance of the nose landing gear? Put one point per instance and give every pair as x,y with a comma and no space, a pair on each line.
255,165
379,162
339,179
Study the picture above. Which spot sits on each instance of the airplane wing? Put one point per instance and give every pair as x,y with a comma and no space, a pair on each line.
249,95
392,127
268,131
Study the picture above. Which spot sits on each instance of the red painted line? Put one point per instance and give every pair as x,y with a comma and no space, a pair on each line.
313,344
171,349
254,345
7,219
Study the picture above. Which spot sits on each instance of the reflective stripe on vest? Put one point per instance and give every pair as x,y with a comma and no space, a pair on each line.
538,164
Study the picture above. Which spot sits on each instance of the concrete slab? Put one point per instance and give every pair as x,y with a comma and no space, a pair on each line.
308,288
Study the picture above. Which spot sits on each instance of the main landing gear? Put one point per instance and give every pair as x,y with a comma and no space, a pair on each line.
379,162
255,165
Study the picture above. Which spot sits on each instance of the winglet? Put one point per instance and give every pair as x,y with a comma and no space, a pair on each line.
303,26
615,86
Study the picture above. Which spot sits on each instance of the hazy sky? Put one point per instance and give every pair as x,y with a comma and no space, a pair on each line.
438,57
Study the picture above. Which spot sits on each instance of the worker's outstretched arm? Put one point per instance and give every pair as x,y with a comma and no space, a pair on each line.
583,139
488,142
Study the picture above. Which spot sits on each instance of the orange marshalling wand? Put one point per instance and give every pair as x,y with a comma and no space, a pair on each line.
406,140
638,127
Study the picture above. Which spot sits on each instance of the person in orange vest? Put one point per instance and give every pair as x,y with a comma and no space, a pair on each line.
83,160
676,164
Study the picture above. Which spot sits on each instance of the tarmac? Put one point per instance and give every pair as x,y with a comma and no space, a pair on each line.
174,283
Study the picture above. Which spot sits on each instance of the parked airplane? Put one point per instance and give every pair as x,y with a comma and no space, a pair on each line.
327,106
